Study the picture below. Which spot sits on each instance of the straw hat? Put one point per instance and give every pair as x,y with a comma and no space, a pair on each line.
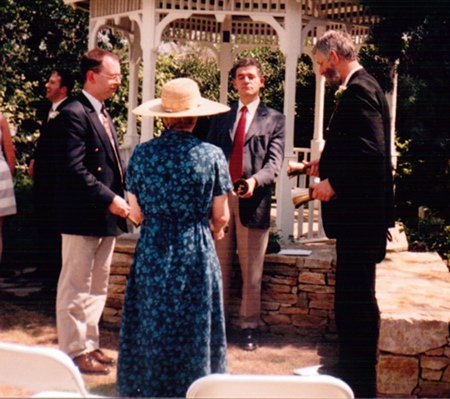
180,97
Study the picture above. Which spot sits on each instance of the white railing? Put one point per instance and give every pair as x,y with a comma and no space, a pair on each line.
307,218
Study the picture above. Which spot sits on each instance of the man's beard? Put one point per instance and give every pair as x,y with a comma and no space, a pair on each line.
333,78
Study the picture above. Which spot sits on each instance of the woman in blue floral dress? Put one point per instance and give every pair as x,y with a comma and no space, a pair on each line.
173,328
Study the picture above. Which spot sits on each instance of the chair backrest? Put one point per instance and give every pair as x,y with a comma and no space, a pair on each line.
269,386
39,369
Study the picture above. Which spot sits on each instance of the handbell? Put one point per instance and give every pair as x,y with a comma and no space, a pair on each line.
240,187
296,168
300,196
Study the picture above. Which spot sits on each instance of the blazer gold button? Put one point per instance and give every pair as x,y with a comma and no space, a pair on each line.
99,169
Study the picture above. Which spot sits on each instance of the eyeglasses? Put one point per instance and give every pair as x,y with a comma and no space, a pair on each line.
116,76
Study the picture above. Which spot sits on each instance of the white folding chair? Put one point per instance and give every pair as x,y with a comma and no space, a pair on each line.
47,371
269,386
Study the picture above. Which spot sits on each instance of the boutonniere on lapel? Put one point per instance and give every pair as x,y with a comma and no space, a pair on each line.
337,97
53,115
338,94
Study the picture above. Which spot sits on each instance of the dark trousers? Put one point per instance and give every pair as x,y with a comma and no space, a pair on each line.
357,315
48,259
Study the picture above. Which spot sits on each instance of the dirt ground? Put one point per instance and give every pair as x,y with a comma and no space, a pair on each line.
31,321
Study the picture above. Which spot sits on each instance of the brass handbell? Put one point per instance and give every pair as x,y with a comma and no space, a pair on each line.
240,187
296,168
300,196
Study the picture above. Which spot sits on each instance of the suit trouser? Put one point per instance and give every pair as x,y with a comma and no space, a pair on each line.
251,245
82,291
357,315
49,241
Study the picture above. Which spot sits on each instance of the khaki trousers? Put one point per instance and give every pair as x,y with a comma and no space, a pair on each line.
251,245
82,290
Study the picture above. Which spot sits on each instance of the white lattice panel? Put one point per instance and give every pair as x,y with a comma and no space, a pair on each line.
208,30
253,33
265,6
344,13
193,29
100,8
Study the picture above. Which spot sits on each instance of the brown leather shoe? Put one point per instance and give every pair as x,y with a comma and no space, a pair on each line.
88,365
248,339
101,357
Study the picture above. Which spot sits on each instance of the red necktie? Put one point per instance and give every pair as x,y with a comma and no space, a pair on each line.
237,155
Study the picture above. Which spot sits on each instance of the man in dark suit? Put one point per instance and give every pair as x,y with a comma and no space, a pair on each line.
258,161
90,195
43,171
356,191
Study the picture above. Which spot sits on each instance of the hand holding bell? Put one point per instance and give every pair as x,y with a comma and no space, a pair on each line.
240,187
296,168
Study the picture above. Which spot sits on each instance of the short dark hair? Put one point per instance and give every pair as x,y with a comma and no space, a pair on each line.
245,62
67,79
92,61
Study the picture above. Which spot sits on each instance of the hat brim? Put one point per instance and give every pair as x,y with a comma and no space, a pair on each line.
204,108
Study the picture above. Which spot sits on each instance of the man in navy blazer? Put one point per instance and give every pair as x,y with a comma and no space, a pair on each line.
90,195
263,155
43,170
356,190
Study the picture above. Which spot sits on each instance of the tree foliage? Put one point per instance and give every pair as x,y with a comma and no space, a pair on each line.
418,35
199,63
35,36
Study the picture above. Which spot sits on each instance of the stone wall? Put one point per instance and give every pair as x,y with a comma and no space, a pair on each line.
121,262
413,291
297,293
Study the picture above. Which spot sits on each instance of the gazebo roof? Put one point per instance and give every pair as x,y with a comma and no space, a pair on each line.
335,11
204,22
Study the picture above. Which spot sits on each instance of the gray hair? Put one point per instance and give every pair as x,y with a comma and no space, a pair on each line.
339,41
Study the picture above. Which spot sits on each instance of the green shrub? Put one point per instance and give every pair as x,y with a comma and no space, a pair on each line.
431,233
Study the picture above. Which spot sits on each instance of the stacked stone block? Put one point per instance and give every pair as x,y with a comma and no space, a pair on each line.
120,267
413,291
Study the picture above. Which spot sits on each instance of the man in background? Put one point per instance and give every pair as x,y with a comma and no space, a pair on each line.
251,136
43,170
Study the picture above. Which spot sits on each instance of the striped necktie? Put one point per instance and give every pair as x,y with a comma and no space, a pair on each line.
106,125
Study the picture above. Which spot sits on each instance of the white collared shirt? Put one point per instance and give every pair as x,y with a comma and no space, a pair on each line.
56,104
351,74
96,104
251,111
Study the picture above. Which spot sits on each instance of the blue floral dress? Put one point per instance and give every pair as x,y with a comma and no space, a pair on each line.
173,326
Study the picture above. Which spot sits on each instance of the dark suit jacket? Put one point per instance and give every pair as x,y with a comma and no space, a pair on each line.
90,175
263,158
45,168
357,162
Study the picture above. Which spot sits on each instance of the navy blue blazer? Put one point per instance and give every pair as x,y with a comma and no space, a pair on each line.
89,175
357,162
45,162
263,158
